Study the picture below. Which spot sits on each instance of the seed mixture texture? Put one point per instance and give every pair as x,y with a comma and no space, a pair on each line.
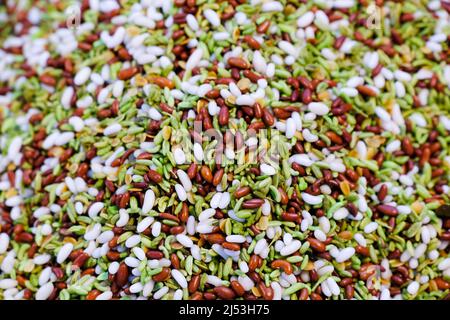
324,174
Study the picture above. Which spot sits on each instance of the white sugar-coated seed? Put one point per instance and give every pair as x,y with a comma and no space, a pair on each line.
236,238
413,288
302,159
184,240
291,248
341,213
179,278
41,259
184,179
82,76
267,169
345,254
156,229
311,199
7,283
320,235
224,200
181,193
44,291
149,201
305,20
64,252
206,214
212,17
179,156
95,209
133,241
371,227
144,224
261,244
4,242
444,264
107,295
112,129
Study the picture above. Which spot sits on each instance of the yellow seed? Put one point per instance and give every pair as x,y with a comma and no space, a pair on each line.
256,292
417,207
324,95
347,235
167,131
128,139
70,240
140,81
263,223
433,285
345,187
243,84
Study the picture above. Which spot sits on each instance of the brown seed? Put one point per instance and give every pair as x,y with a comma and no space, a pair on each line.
154,176
317,245
304,294
238,288
93,294
362,250
213,94
224,116
24,237
154,254
194,283
218,177
267,292
162,276
231,246
121,277
252,204
215,238
382,193
162,82
366,91
206,173
184,213
255,262
407,146
252,43
387,210
263,27
349,291
224,292
425,157
126,74
268,118
238,63
242,192
442,284
282,264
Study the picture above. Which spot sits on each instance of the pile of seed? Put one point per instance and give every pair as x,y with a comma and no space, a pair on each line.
335,186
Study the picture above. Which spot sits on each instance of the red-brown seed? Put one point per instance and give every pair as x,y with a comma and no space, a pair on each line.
282,264
252,204
126,74
162,276
224,116
224,292
206,173
317,245
154,176
238,63
122,274
194,283
387,210
218,177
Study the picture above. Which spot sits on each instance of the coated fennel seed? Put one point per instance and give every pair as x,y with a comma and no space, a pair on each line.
224,150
